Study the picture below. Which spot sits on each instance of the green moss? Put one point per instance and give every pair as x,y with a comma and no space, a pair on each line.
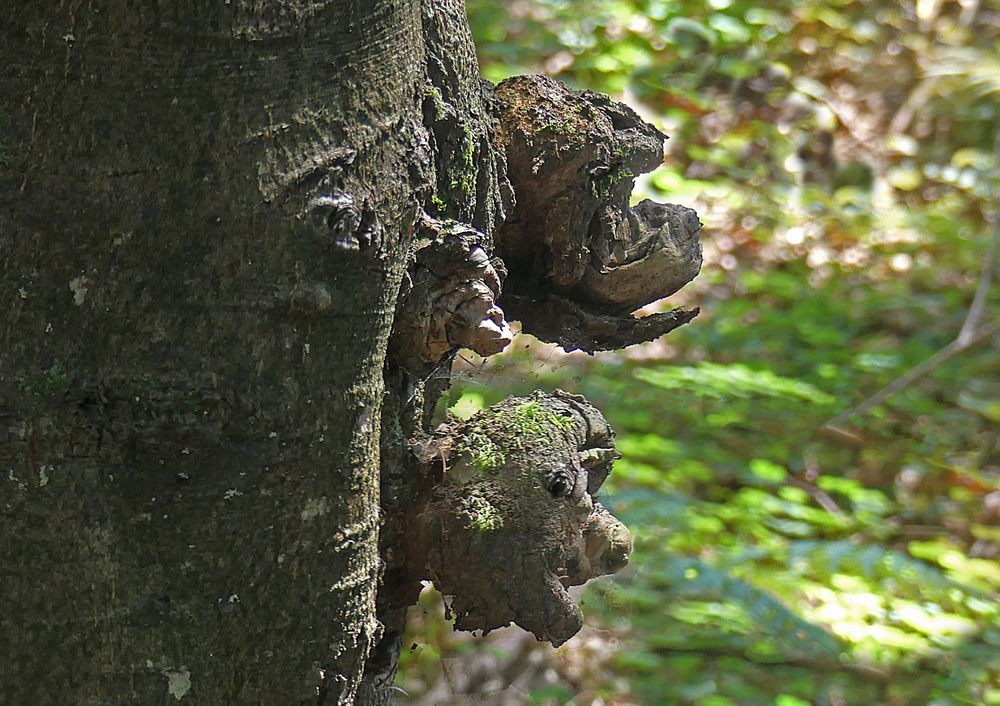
462,180
532,417
563,126
50,383
481,451
480,513
460,172
437,100
603,185
434,93
569,123
529,420
420,243
484,445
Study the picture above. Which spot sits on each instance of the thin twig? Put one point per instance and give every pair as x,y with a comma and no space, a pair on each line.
822,498
848,122
970,335
913,104
989,263
978,306
914,374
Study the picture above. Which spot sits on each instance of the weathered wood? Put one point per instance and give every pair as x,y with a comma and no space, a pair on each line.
512,519
581,259
448,299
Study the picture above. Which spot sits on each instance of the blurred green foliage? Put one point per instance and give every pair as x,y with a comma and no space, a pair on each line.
842,157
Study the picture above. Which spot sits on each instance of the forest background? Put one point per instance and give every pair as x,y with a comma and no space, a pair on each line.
794,544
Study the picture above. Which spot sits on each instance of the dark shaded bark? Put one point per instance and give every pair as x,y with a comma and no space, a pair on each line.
204,219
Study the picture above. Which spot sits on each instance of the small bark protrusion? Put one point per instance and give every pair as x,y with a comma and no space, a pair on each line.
574,327
573,240
450,299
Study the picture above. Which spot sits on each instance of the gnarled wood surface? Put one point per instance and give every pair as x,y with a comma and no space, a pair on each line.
581,259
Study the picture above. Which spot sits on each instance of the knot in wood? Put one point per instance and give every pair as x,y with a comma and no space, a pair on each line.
337,213
514,520
578,250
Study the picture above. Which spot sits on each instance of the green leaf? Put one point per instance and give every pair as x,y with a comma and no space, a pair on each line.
729,28
771,472
735,380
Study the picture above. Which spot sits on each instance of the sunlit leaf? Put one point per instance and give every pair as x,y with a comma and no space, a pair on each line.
736,380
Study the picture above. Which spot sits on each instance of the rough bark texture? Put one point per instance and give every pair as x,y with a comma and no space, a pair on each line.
205,215
212,217
580,257
470,198
513,519
448,299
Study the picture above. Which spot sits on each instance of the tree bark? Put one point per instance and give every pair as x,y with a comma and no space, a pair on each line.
205,213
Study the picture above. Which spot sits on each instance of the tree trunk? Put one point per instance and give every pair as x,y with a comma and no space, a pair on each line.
240,242
205,211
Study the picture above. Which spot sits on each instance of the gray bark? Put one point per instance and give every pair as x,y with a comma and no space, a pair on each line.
205,211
